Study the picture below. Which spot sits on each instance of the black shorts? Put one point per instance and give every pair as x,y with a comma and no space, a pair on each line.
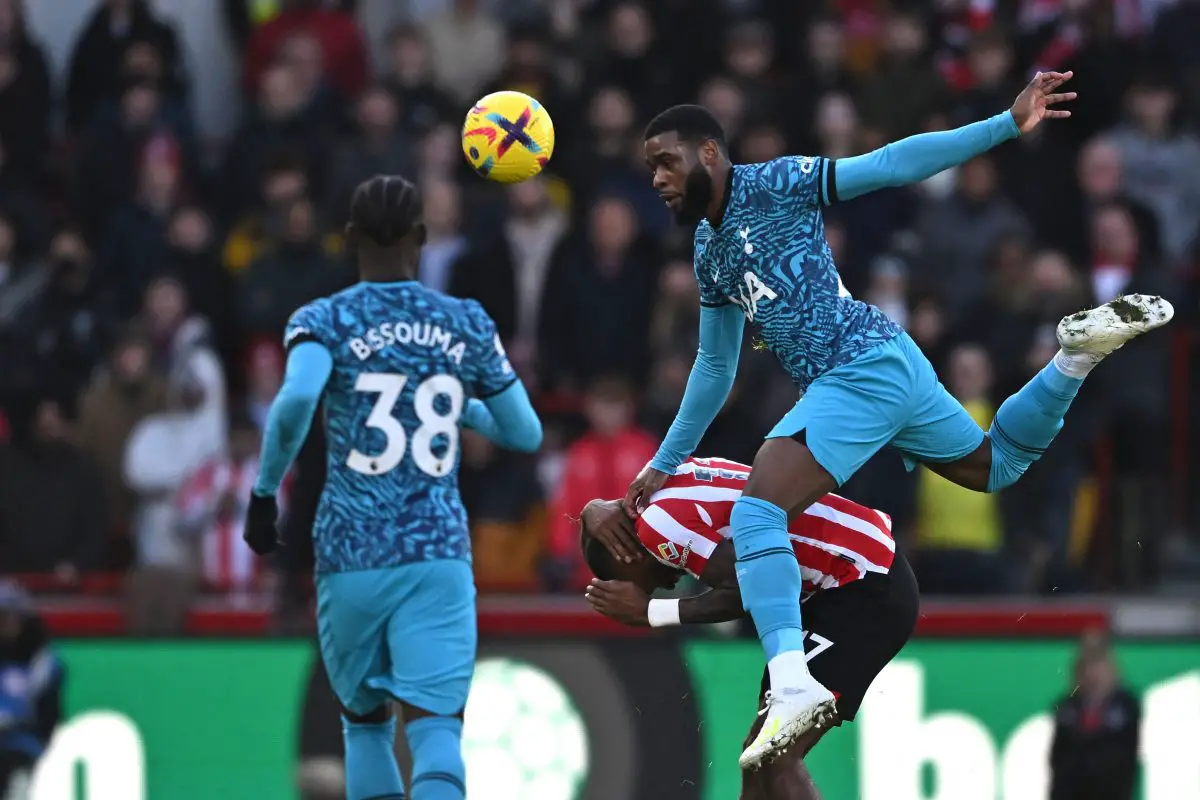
855,630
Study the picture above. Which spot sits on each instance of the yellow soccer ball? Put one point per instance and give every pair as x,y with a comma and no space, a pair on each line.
508,137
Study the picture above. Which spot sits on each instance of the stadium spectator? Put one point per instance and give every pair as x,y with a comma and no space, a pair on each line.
283,180
99,53
279,124
295,271
508,517
1161,162
379,147
51,506
193,256
467,46
71,322
135,248
31,684
25,94
1094,752
408,74
960,233
264,375
605,269
606,160
342,49
630,60
1098,176
112,155
444,240
117,400
507,272
1136,397
184,353
212,507
898,95
162,450
598,464
959,539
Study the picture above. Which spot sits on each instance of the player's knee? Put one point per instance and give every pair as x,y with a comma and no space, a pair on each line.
756,525
1006,465
438,768
375,716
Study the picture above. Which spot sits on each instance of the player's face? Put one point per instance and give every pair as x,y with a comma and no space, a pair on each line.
681,175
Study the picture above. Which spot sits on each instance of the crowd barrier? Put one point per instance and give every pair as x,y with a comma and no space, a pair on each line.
564,708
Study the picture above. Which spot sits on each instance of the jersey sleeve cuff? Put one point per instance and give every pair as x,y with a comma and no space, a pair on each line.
500,390
829,180
299,338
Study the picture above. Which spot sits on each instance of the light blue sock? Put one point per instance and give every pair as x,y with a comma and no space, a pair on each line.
371,770
438,769
1026,424
768,574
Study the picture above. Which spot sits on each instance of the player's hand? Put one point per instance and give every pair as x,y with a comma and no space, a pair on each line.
261,532
648,481
1033,104
608,523
620,600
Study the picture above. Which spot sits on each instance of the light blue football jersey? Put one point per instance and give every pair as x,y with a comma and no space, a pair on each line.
405,359
770,257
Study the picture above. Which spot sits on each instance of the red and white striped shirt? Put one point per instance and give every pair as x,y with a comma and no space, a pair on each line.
226,563
835,540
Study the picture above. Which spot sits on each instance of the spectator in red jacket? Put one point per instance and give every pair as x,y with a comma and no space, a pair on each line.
599,464
342,44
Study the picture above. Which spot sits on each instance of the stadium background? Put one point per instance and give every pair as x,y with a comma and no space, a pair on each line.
171,188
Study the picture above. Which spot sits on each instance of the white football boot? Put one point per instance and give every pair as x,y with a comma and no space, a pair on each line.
1097,332
791,713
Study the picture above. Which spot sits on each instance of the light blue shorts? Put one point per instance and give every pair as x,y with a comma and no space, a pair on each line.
888,395
405,633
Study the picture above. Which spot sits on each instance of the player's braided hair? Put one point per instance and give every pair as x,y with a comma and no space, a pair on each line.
691,123
385,209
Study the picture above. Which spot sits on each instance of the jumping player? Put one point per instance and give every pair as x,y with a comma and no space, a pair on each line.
860,597
394,363
760,253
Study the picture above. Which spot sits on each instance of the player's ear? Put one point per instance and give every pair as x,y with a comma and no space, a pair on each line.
710,152
419,234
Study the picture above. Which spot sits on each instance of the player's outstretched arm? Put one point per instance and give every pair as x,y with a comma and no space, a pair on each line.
309,365
919,157
507,418
708,385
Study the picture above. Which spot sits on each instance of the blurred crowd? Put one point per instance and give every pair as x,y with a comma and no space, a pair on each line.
146,272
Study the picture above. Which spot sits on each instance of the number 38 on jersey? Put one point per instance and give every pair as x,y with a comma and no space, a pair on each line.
435,423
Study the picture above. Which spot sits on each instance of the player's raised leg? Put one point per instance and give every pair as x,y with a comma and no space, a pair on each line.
1028,421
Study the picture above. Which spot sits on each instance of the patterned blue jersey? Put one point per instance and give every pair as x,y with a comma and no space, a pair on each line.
405,358
770,257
